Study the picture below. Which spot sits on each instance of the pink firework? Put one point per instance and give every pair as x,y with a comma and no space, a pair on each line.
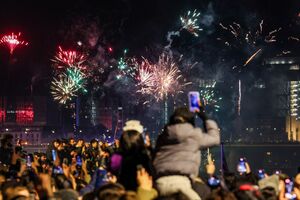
167,75
145,77
12,41
69,58
160,79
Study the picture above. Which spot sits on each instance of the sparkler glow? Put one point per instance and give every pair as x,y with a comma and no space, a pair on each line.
12,41
190,22
67,58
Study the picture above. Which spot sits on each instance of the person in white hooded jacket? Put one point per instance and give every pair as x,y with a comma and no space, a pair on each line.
178,151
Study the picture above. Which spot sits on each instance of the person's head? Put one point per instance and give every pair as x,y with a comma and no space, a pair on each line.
182,115
61,182
230,180
72,142
6,141
174,196
269,193
110,191
221,195
248,192
56,143
80,143
297,181
67,194
131,141
13,190
94,143
129,195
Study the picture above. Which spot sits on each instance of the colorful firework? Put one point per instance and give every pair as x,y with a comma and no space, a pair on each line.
158,80
63,89
145,77
66,58
190,22
12,41
210,98
167,78
78,78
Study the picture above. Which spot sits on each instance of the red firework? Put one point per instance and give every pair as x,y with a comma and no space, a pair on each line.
69,58
12,41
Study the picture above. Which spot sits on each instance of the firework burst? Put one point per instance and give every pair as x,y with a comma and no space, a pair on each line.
253,40
145,77
63,89
190,22
78,78
12,41
210,98
159,80
66,58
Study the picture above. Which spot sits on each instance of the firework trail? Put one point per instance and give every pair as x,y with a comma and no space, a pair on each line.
293,38
239,98
251,57
12,41
169,38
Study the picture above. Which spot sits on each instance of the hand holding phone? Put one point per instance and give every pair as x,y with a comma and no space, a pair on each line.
261,174
194,101
289,185
28,161
78,161
213,181
241,167
53,155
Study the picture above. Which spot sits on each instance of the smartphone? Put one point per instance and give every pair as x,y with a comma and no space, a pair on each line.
28,161
261,174
241,167
213,181
78,161
289,189
53,155
194,101
58,170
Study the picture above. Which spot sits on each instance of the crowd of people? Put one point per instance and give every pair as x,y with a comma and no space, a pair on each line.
132,169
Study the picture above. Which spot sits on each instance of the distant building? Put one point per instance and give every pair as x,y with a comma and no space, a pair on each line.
24,118
288,98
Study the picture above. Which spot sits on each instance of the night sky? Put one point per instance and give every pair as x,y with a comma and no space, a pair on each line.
138,25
